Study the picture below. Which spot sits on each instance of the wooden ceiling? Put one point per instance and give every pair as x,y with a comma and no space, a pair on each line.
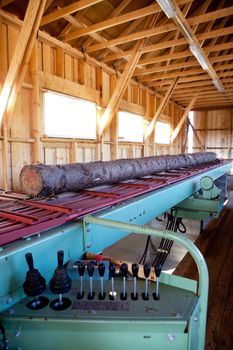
112,31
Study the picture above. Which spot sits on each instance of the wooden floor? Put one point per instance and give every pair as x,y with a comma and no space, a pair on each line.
216,244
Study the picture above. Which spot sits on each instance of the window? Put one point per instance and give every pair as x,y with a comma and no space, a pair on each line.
69,117
131,127
162,133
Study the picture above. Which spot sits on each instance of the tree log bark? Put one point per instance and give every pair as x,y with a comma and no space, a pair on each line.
43,180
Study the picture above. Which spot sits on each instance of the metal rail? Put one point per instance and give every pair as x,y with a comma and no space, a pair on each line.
185,242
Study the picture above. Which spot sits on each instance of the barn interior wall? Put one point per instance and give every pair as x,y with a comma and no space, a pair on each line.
58,67
214,128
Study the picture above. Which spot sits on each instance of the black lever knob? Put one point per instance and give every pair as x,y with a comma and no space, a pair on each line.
60,282
124,269
158,269
135,269
101,269
34,283
90,268
146,269
81,268
60,258
29,260
112,270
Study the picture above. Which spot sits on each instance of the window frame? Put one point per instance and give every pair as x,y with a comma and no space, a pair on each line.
58,135
131,114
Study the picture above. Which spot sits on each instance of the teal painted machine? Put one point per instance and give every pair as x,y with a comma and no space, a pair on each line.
176,321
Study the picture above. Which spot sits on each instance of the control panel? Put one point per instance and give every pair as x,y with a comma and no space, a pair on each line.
82,294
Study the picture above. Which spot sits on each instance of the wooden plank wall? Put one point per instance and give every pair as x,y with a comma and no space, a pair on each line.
214,129
58,67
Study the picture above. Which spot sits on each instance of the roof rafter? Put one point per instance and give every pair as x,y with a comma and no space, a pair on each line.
67,10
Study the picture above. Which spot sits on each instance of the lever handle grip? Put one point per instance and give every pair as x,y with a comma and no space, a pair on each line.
124,269
81,268
112,270
90,268
29,260
135,269
146,269
60,258
158,269
101,269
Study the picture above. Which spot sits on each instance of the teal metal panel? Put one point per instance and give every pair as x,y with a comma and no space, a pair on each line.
40,334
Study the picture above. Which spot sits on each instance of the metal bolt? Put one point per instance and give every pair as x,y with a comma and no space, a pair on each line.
18,334
88,245
171,337
10,300
195,318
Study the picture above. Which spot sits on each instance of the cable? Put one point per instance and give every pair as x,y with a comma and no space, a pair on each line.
4,338
143,258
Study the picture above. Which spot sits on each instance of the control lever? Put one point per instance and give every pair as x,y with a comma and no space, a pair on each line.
60,283
146,268
90,271
34,285
135,268
158,269
112,271
101,269
81,270
124,271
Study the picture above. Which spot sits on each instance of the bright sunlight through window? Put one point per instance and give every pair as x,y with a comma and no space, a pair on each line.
131,127
69,117
162,133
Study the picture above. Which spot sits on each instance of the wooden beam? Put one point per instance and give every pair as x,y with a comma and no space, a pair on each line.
160,109
145,11
182,120
123,81
119,89
196,136
166,57
34,11
67,10
36,125
159,30
4,3
24,66
132,37
78,24
65,86
184,73
116,12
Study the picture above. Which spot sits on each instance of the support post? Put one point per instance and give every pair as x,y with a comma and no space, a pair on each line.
196,135
162,105
183,118
36,100
20,59
120,88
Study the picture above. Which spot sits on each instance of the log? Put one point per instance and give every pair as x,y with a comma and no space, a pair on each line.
44,180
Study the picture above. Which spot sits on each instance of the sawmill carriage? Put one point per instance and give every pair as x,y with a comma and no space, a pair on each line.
115,152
